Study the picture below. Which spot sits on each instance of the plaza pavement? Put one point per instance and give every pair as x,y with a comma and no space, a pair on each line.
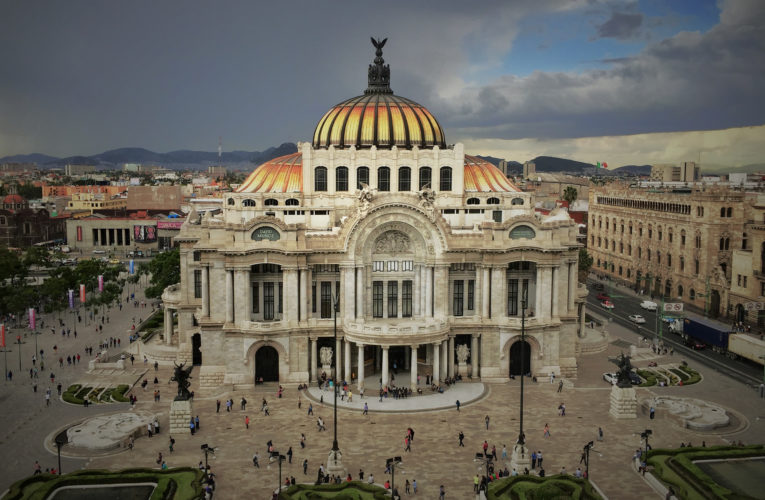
366,441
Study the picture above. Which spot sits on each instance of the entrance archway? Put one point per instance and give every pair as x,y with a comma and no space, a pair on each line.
714,304
520,351
267,364
196,351
740,313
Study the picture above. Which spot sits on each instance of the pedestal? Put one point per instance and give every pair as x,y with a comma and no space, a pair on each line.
462,369
623,402
180,416
335,464
520,458
327,369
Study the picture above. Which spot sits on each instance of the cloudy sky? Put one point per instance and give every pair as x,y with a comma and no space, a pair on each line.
611,80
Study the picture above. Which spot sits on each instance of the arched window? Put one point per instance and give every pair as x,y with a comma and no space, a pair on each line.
265,233
320,179
230,201
404,179
341,179
248,203
682,263
682,237
445,182
692,294
292,202
744,241
383,179
362,177
425,177
519,201
473,201
722,243
730,211
492,201
727,243
522,232
722,211
270,202
680,291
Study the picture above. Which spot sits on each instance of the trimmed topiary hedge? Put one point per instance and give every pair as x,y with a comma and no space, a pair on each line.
118,394
527,486
648,376
184,483
70,394
355,490
693,375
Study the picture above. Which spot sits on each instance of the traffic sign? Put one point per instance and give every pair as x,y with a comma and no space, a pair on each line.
754,306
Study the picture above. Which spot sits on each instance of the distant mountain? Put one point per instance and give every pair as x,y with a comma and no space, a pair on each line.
632,170
38,158
173,159
554,164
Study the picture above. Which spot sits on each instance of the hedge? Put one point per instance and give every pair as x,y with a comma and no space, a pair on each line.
649,377
354,490
183,483
70,394
118,394
531,487
693,375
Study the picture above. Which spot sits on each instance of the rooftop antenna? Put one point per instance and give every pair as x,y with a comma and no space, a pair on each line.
220,149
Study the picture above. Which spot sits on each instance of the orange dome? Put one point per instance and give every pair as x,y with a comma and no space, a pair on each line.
280,175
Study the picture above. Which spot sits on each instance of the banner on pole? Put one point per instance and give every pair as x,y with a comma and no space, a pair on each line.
100,282
32,318
82,294
2,335
71,299
132,267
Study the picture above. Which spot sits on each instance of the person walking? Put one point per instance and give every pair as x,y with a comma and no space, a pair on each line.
217,406
196,422
172,444
533,460
414,485
458,405
302,441
547,431
539,458
305,466
560,386
289,455
310,409
652,413
600,434
461,438
255,460
487,422
441,492
246,422
366,409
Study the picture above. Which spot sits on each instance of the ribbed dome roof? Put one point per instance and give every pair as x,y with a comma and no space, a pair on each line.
378,118
381,120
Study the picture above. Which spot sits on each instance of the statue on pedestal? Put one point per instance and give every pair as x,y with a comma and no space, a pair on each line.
623,374
182,376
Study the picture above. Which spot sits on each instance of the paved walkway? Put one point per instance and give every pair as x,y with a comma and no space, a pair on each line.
367,441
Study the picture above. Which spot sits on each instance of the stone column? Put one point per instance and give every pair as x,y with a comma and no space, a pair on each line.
441,292
205,292
413,369
444,359
571,286
360,384
243,295
485,293
348,293
229,296
474,356
384,365
359,292
314,361
450,357
168,325
436,363
554,278
348,361
290,294
407,359
478,292
538,297
305,292
339,357
429,292
417,294
498,294
546,304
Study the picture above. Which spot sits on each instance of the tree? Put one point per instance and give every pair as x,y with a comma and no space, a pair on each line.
29,191
570,194
585,263
165,270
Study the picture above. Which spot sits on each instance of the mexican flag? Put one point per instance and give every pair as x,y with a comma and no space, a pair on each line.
602,165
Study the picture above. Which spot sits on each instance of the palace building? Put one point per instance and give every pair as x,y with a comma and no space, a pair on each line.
428,252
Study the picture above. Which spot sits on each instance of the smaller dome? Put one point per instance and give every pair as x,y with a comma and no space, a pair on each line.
280,175
483,177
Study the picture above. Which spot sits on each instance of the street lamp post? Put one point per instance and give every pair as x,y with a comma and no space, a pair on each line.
207,449
334,461
393,462
280,458
19,342
587,448
645,435
485,459
520,457
61,439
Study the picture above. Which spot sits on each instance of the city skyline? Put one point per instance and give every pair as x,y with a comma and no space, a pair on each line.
623,82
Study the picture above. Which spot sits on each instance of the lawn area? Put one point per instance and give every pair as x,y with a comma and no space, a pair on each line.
675,468
355,490
173,484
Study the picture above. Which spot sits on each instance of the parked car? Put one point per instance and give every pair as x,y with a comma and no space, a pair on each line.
649,306
695,344
607,304
135,253
99,252
636,318
635,378
603,296
114,260
610,378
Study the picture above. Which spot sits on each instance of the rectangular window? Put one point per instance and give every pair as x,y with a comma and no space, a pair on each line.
281,295
697,266
197,283
406,299
496,215
512,297
393,299
471,294
378,266
255,298
392,265
337,294
313,297
197,255
268,301
326,299
762,289
377,299
745,281
404,179
407,265
458,298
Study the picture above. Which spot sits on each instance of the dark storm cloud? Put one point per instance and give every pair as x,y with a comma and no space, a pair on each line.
621,25
691,81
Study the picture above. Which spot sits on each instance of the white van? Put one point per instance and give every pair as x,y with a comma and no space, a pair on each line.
649,306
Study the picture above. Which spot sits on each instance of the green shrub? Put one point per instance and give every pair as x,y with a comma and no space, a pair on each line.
69,395
118,394
82,393
355,490
693,375
648,376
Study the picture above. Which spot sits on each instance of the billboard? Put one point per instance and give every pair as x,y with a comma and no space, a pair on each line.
144,234
167,224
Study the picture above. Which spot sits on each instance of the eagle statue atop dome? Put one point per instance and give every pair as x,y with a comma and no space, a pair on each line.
379,72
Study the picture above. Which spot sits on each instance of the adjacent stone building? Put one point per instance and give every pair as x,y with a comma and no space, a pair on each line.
428,253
